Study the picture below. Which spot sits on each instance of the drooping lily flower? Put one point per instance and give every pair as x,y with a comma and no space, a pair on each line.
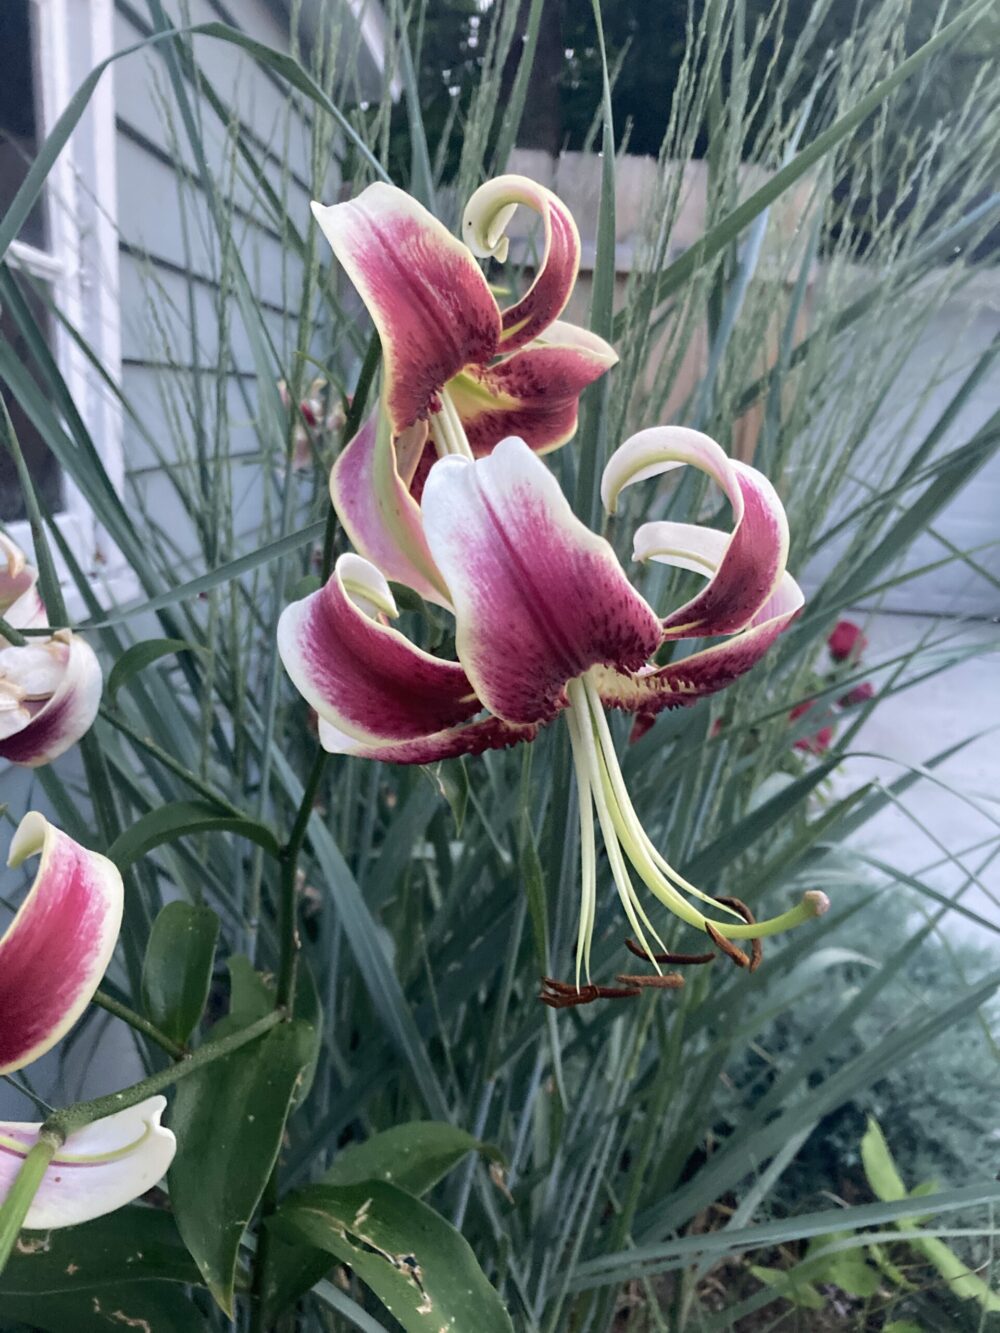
546,622
56,950
50,691
99,1168
460,373
20,604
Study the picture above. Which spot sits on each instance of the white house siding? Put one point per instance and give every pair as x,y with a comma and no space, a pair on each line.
169,250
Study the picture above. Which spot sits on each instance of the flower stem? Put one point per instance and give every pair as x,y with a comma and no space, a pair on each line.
12,635
65,1122
104,1001
26,1183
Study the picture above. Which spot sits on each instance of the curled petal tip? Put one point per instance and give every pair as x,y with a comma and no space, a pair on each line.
818,900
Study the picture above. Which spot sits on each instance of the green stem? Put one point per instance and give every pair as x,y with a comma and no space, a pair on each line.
25,1187
168,761
104,1001
64,1123
11,634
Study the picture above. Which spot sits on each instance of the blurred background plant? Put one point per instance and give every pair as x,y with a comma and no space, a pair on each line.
820,189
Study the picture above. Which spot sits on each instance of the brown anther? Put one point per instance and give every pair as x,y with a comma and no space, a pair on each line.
756,947
673,959
565,995
664,981
727,946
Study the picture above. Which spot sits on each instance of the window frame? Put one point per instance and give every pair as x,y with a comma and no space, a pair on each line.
81,265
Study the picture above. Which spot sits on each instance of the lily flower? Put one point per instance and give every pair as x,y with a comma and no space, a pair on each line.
460,373
99,1168
547,623
50,690
52,959
58,946
20,604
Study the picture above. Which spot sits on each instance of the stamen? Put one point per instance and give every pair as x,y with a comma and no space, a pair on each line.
666,981
654,871
674,959
588,851
756,948
582,735
561,995
449,433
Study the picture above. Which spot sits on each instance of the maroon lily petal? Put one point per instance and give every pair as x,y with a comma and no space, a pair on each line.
755,553
380,515
424,291
692,678
59,944
362,677
489,733
534,393
486,216
538,597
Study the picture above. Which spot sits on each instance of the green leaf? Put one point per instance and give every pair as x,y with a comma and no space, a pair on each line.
142,655
154,1307
902,1326
128,1266
251,997
794,1289
415,1262
412,1157
135,1244
885,1181
178,819
844,1268
177,970
452,780
229,1119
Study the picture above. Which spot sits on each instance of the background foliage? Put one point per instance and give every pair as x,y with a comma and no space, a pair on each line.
641,1156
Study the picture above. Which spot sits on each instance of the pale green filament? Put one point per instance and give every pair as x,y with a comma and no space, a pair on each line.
449,433
599,780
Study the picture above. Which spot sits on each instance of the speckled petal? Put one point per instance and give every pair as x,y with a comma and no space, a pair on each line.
98,1169
489,733
534,393
430,303
754,560
58,946
361,676
692,678
538,598
483,229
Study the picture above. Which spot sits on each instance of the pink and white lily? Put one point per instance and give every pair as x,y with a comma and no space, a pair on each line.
52,959
460,373
20,604
58,946
50,691
546,622
99,1168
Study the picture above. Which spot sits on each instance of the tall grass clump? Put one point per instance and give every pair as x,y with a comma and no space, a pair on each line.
438,1139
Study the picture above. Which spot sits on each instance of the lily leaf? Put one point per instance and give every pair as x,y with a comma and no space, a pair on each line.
229,1119
177,970
178,819
415,1262
142,655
